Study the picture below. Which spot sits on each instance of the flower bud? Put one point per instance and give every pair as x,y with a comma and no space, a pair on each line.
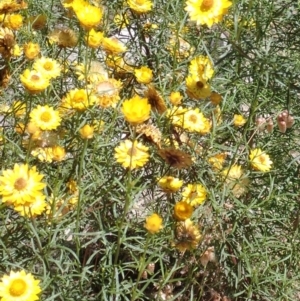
270,126
260,123
282,126
290,121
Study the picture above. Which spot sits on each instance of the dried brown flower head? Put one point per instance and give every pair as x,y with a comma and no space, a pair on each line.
64,37
156,101
151,132
176,158
9,6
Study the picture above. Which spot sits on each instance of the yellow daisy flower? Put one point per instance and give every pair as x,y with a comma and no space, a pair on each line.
77,99
13,21
201,66
153,223
197,87
170,184
235,180
32,209
44,154
194,194
34,81
140,6
260,160
207,11
107,92
239,120
20,185
89,16
58,153
175,98
131,155
136,110
45,117
19,286
183,211
31,50
217,161
194,121
94,38
143,75
86,132
50,68
113,46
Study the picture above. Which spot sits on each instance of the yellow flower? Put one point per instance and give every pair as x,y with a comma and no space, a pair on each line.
18,108
169,184
34,81
136,110
78,99
260,160
207,11
140,6
20,185
94,38
194,121
131,155
239,120
187,235
32,209
45,117
143,75
19,286
89,16
44,154
58,153
217,161
183,210
197,87
13,21
31,50
235,180
50,68
175,98
94,72
113,46
153,223
194,194
107,92
201,66
87,132
65,37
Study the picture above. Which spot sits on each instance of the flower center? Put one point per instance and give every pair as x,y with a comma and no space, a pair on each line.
79,97
48,66
132,151
207,5
193,118
46,116
20,184
35,78
199,84
17,288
